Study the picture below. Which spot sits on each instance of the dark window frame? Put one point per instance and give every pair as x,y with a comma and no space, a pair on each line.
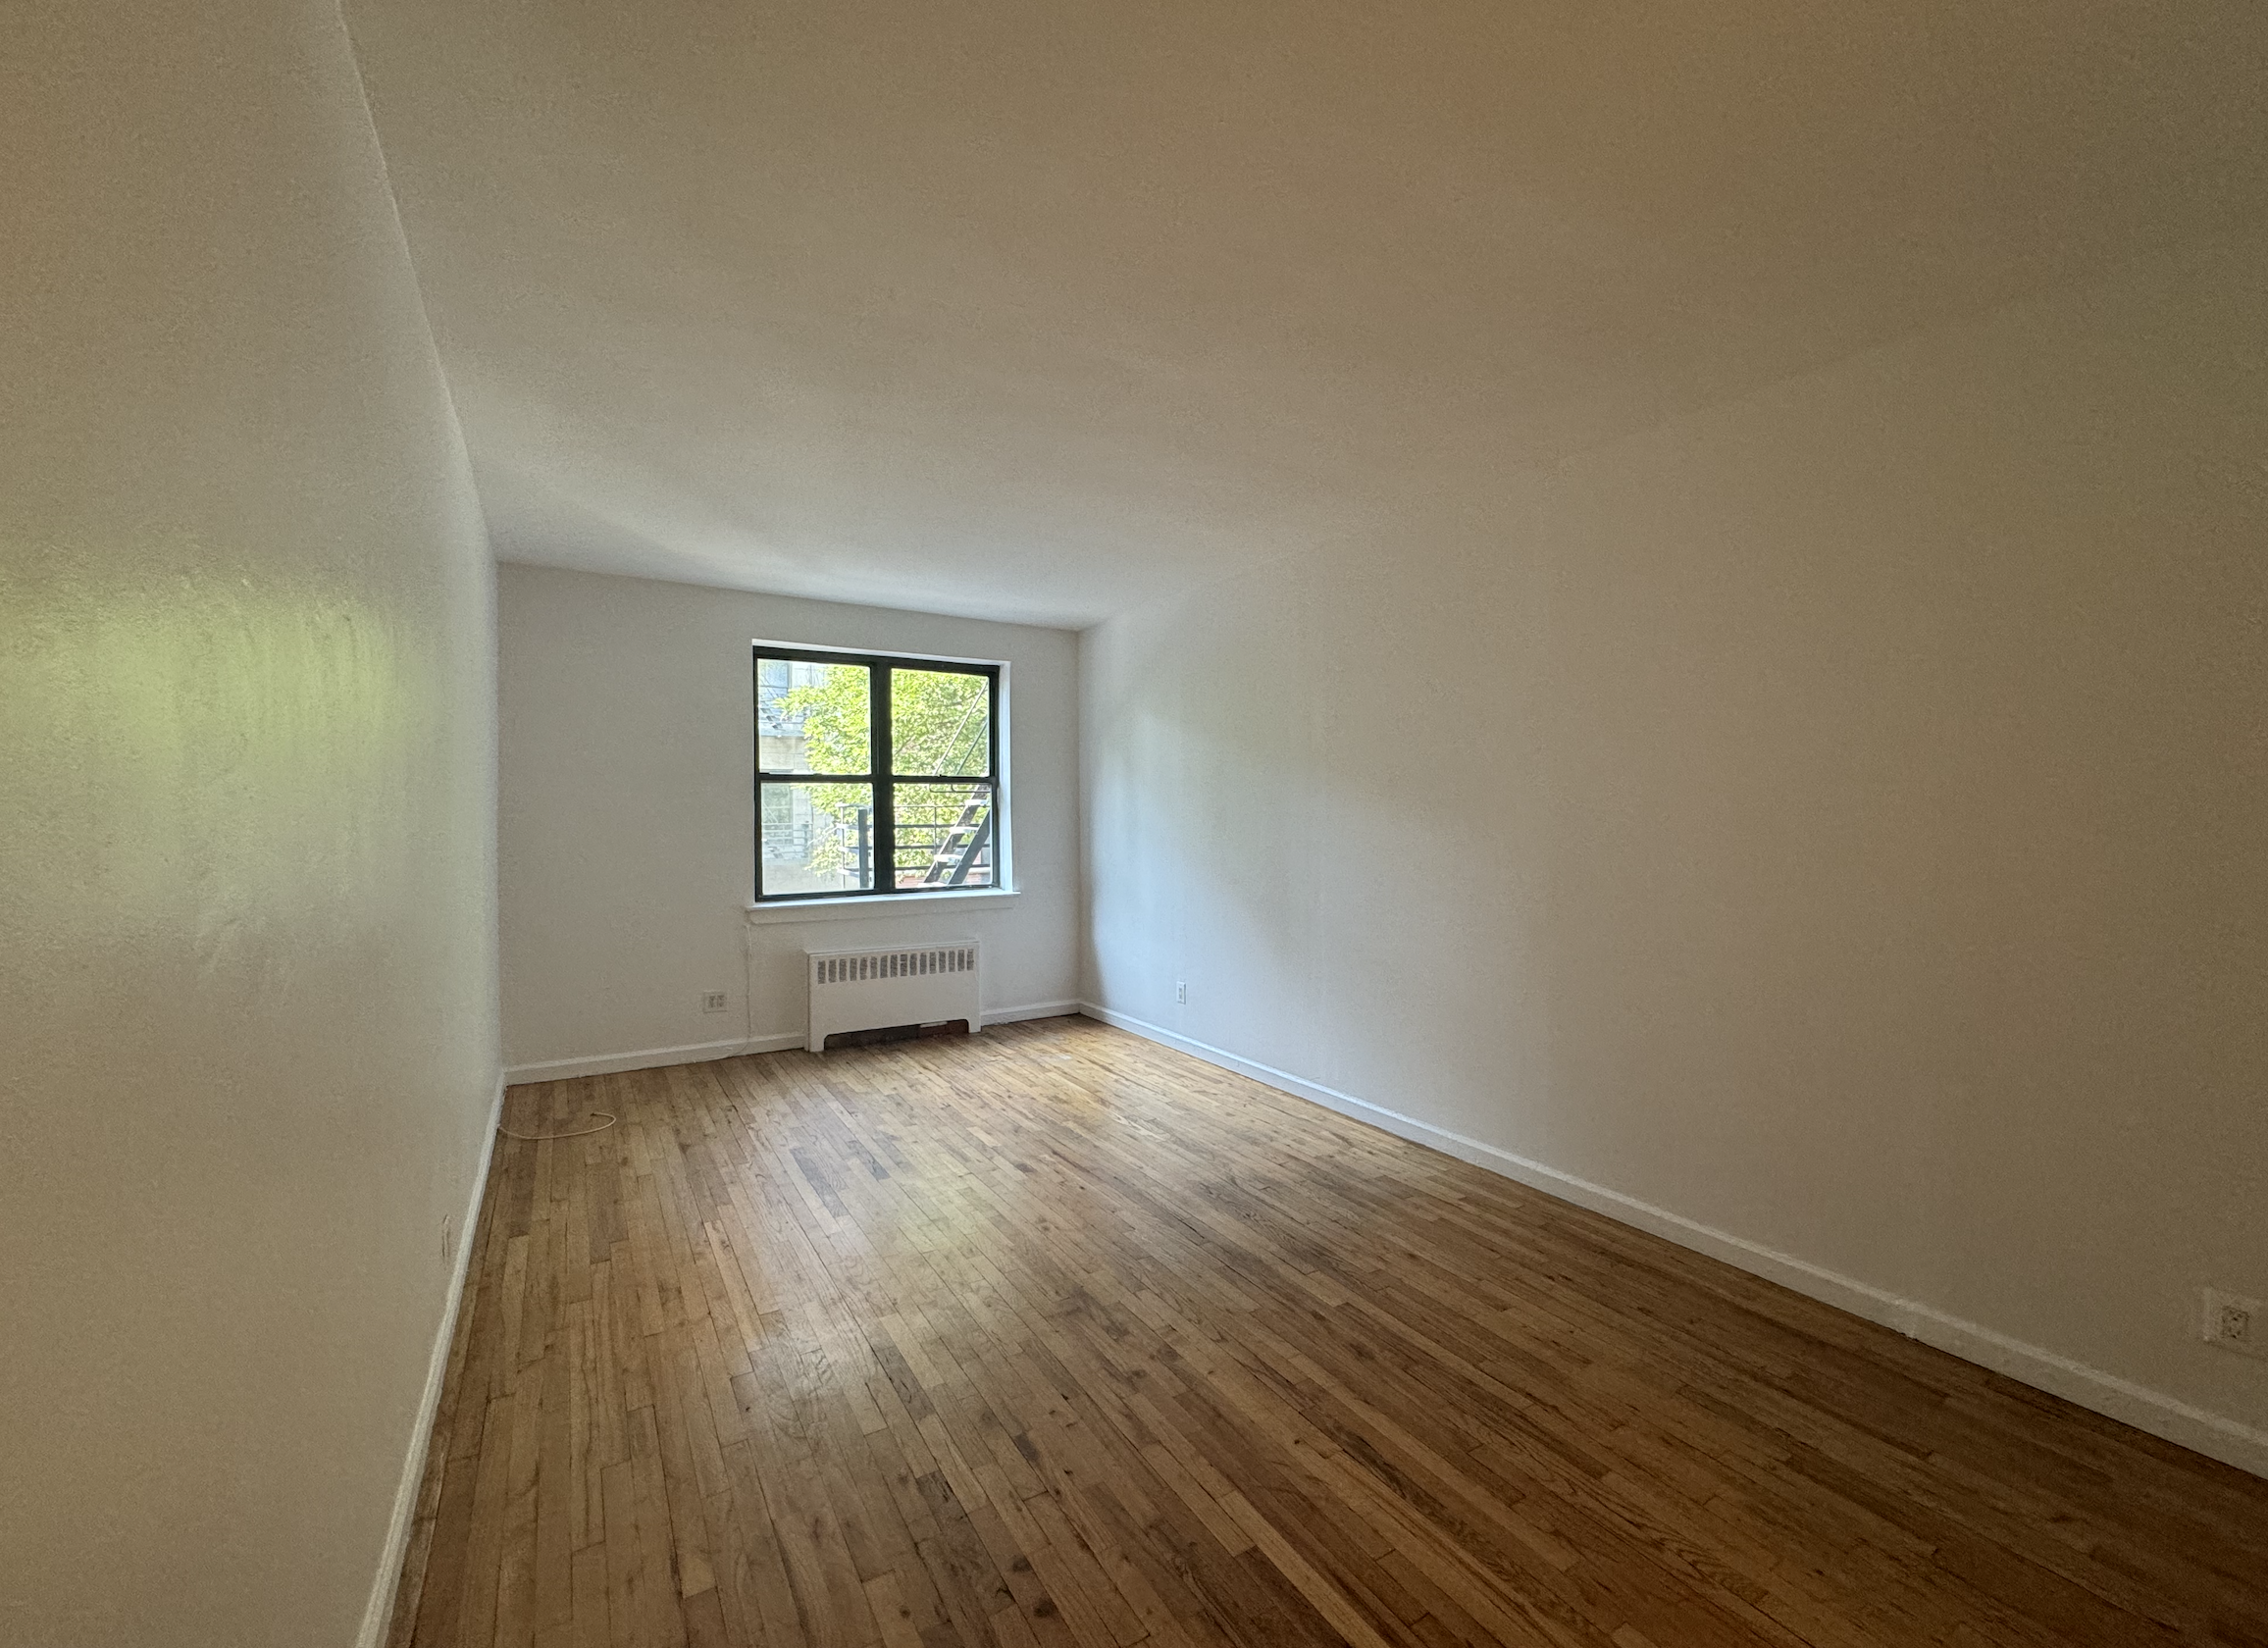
879,780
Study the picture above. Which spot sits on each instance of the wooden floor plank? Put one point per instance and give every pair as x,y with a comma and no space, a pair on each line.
1052,1338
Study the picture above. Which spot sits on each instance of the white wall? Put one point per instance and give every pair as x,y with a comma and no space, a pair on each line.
248,1018
1834,819
626,823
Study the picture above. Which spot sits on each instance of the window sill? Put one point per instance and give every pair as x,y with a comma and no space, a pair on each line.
888,903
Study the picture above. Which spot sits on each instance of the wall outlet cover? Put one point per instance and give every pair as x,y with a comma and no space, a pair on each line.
713,1002
2236,1323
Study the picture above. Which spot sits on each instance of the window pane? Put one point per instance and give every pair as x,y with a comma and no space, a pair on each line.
939,722
945,835
817,838
813,717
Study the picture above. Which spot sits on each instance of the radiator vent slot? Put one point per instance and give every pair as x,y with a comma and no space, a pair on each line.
872,966
884,988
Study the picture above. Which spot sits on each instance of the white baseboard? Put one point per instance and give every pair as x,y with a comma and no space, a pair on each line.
648,1058
2214,1434
1036,1010
378,1613
694,1053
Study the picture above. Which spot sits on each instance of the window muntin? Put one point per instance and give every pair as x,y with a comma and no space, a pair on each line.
875,775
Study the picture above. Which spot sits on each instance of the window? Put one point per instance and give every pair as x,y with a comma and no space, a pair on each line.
875,775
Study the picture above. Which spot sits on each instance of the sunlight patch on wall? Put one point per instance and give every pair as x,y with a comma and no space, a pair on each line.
201,738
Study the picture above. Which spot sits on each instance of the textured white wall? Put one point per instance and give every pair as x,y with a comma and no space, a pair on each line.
1833,818
626,823
247,1001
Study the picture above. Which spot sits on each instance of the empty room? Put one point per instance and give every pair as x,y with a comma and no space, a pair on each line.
1195,824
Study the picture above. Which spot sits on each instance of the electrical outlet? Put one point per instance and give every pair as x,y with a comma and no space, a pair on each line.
1181,992
713,1002
448,1241
2236,1323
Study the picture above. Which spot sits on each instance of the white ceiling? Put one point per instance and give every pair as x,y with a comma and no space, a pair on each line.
1033,311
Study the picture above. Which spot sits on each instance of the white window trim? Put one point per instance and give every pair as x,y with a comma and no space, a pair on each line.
890,903
1005,825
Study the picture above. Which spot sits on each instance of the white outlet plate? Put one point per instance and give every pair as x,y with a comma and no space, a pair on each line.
1181,992
713,1002
2236,1323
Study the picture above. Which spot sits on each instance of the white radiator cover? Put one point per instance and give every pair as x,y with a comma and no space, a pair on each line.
872,987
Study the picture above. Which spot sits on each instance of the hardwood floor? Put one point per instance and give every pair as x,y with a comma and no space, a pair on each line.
1052,1336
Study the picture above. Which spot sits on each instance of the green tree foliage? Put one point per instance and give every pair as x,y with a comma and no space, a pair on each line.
938,725
937,719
